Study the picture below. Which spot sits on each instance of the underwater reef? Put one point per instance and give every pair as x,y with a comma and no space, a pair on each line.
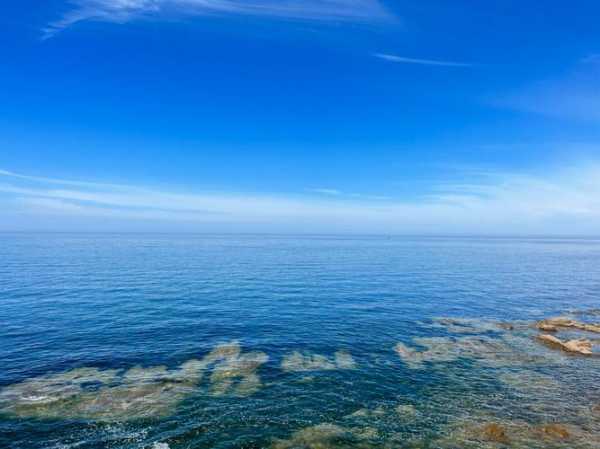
544,395
305,361
136,393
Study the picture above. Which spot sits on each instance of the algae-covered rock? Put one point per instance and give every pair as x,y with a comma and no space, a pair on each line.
137,393
406,411
321,436
493,432
331,436
449,349
344,360
306,361
297,361
469,325
555,431
42,392
236,373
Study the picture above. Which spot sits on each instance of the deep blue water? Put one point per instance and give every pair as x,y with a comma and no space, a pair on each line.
109,301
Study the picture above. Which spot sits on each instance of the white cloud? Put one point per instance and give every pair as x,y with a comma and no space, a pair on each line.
122,11
563,202
403,60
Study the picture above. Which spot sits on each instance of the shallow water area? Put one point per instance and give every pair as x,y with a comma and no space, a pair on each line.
158,341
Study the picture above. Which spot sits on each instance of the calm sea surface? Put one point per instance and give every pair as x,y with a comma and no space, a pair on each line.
162,341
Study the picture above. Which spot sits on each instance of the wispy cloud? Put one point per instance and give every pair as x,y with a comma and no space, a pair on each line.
122,11
559,202
575,95
323,191
431,62
342,194
41,179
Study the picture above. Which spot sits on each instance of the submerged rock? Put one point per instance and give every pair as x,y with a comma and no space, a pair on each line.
369,413
366,433
240,368
51,389
507,326
406,411
191,371
344,360
223,351
493,432
325,436
515,434
446,349
140,392
532,385
555,431
580,346
438,349
316,437
361,413
140,375
593,312
468,325
299,362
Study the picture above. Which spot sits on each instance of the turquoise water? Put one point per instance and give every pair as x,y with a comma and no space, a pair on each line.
162,341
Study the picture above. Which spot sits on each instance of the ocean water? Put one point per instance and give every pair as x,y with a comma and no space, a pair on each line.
208,341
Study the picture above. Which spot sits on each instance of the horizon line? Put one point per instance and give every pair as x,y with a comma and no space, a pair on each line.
312,234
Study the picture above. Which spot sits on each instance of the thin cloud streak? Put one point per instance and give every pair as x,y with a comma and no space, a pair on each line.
573,96
62,181
341,194
431,62
565,202
123,11
324,191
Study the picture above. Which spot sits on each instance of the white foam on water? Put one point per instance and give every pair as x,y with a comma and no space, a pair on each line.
160,446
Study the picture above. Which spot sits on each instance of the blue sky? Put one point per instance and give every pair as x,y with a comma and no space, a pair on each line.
317,116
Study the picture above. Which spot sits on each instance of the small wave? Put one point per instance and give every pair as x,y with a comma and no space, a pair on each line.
160,446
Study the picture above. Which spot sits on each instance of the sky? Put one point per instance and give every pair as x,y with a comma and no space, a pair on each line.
300,116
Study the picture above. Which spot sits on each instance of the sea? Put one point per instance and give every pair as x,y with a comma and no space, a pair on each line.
160,341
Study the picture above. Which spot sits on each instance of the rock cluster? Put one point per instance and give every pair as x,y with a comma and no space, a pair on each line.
515,434
579,346
483,349
554,324
140,392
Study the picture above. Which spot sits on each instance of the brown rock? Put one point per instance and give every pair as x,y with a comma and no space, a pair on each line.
547,327
558,322
555,431
494,433
580,346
